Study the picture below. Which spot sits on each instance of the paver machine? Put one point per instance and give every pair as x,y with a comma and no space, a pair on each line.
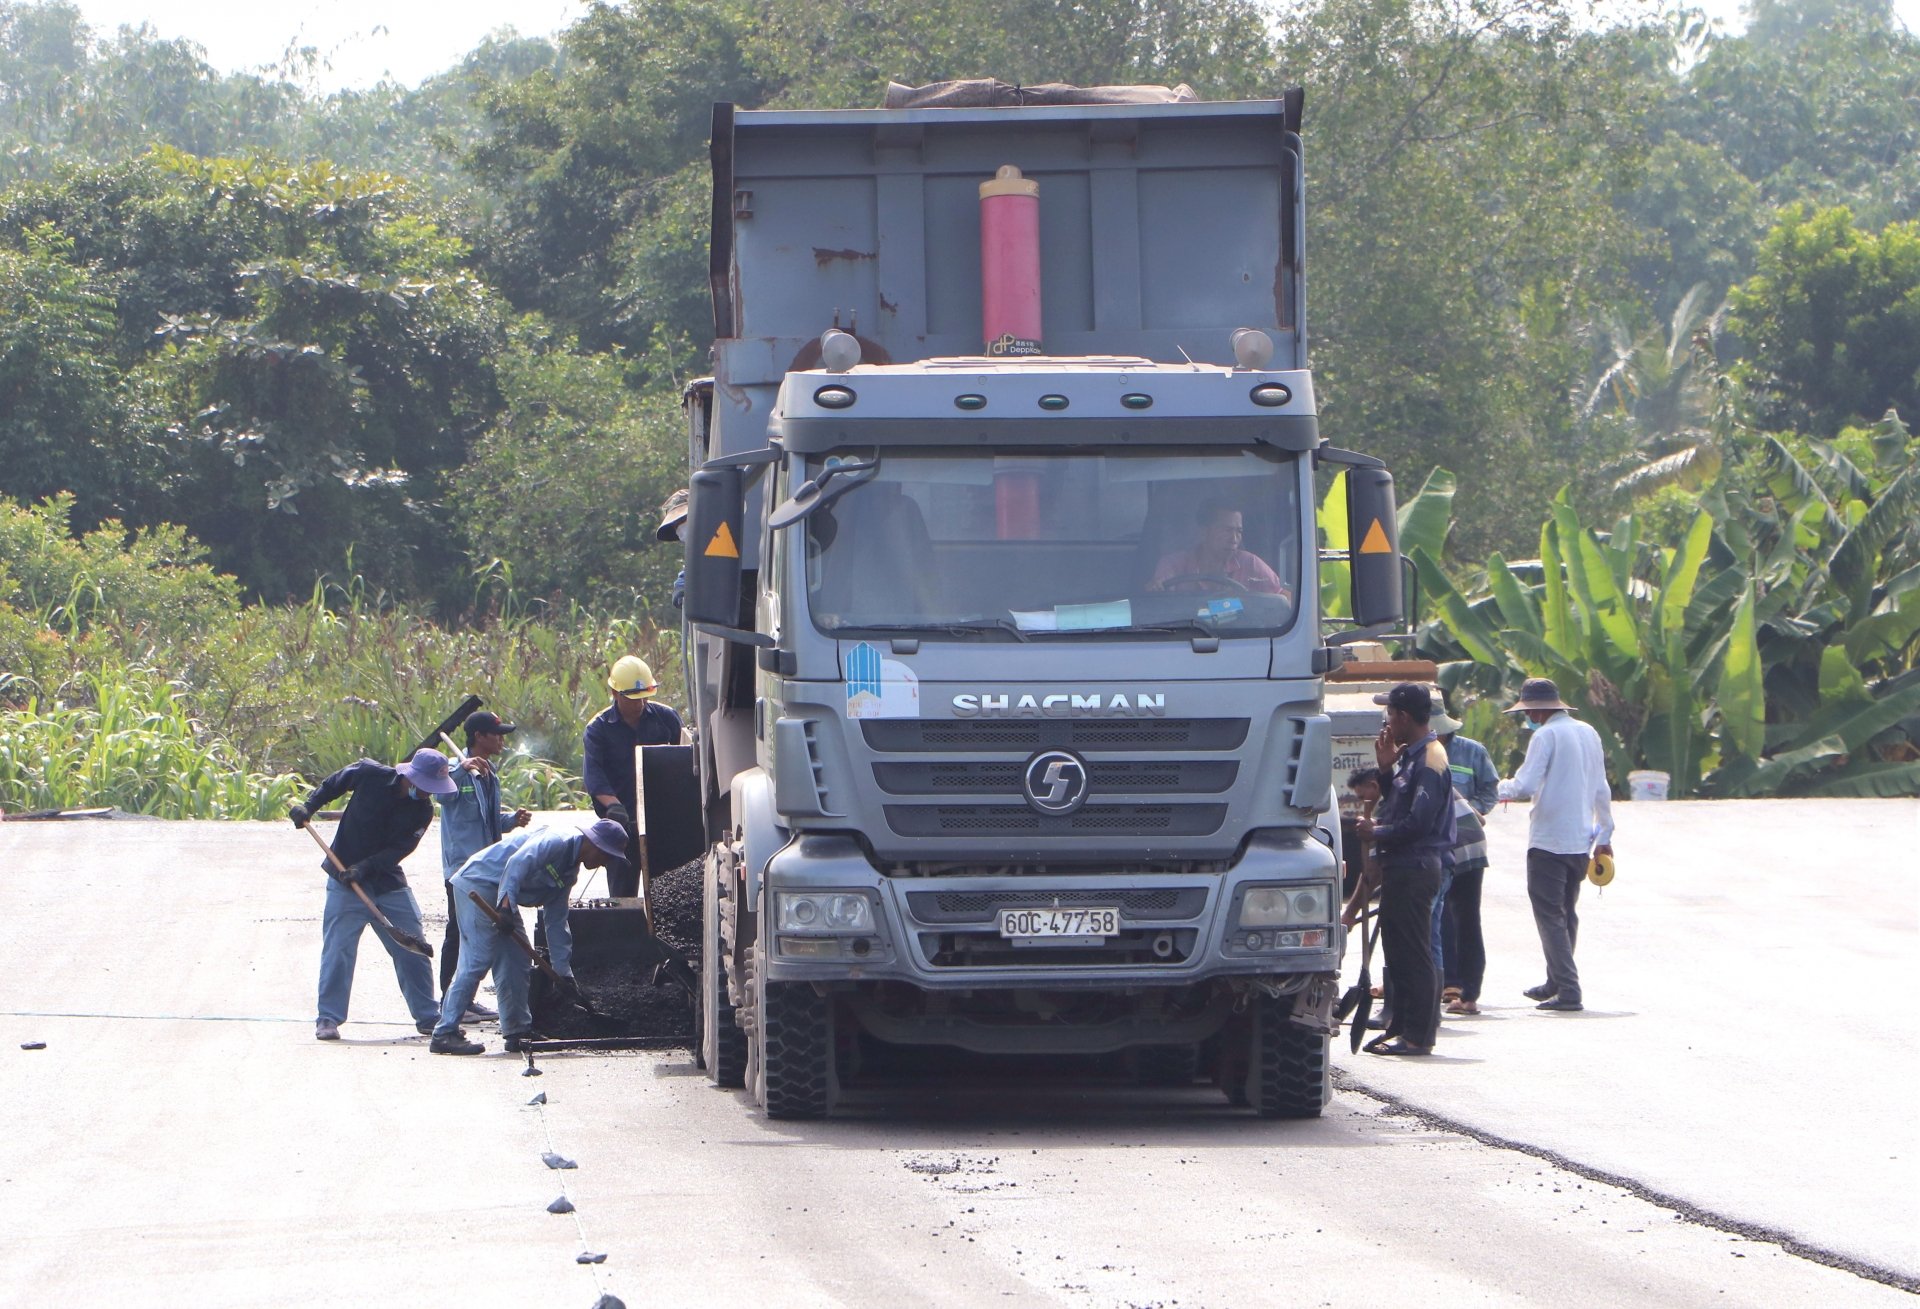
1002,593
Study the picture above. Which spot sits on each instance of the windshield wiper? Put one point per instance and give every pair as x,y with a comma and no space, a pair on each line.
971,627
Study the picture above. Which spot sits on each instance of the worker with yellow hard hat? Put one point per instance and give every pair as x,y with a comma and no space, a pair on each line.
634,718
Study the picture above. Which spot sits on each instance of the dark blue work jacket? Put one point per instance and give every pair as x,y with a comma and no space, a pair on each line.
1415,818
609,748
383,823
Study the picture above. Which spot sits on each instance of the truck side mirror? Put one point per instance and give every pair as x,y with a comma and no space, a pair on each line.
712,533
1373,544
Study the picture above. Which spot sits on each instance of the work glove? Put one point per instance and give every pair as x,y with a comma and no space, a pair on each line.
619,814
349,874
300,815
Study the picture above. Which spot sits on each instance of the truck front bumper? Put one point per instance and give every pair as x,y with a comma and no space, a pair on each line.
943,932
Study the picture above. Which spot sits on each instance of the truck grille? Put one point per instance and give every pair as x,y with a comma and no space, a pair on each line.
1107,777
931,735
1018,820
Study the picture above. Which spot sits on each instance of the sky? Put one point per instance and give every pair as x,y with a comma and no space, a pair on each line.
363,41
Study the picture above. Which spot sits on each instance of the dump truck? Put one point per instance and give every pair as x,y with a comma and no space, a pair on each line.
1003,624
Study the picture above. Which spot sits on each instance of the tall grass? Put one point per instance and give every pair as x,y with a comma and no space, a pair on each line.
134,747
223,721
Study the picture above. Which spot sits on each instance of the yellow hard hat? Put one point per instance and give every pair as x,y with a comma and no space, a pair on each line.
631,678
1600,869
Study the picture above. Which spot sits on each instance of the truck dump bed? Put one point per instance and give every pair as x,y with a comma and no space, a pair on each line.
1163,228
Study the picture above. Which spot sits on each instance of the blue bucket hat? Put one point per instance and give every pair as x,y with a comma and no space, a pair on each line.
609,837
428,771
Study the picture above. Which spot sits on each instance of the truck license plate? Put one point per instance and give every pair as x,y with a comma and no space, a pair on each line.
1018,924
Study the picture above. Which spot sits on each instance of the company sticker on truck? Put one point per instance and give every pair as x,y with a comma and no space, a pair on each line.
879,687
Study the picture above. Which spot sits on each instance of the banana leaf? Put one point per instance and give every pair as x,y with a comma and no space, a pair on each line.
1885,633
1334,576
1518,607
1840,681
1676,590
1556,615
1605,616
1851,563
1858,724
1770,777
1870,781
1741,693
1790,481
1426,518
1466,627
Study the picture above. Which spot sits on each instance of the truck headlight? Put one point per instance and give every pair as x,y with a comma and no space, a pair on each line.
1280,906
828,911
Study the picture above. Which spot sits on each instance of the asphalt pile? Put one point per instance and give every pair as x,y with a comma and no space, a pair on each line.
629,1004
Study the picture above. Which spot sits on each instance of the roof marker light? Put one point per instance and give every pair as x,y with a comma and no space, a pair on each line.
1270,394
834,397
1137,400
1053,403
970,402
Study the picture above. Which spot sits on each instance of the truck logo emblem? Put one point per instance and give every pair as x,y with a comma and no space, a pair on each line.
1055,782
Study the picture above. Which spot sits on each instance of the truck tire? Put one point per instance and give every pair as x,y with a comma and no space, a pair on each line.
723,1046
1286,1065
1165,1065
792,1056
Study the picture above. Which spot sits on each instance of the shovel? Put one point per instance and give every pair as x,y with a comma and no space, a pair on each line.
1358,1000
405,940
566,986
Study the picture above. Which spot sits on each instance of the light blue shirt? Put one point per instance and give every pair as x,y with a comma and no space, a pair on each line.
1565,775
470,819
534,867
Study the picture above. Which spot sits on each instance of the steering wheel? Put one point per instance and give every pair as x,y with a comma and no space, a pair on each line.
1173,583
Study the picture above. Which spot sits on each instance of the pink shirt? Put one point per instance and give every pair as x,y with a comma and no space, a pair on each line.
1242,566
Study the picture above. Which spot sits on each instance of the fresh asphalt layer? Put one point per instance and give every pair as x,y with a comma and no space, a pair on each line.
1730,1121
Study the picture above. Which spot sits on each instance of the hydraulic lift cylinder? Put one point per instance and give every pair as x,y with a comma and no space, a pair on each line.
1010,263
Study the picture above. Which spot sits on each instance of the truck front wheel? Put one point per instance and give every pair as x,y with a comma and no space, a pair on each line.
792,1056
1286,1066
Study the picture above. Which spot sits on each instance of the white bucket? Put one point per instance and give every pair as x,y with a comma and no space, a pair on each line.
1647,784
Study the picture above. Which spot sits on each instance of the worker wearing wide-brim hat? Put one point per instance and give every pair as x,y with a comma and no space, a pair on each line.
673,518
534,869
385,818
1565,775
634,719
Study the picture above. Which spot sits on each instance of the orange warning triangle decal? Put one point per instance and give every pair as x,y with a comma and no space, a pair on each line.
723,547
1375,542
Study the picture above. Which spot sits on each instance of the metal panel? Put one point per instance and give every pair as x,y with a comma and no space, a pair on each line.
1216,237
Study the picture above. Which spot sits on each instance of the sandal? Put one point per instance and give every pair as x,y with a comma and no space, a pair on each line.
1464,1007
1398,1045
1450,994
1373,1046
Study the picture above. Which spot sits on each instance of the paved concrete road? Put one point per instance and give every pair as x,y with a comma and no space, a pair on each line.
183,1139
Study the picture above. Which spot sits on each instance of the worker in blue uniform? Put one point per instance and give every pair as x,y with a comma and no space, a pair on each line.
634,718
535,868
471,819
385,818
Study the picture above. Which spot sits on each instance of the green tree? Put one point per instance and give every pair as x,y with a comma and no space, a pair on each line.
1830,321
562,491
59,391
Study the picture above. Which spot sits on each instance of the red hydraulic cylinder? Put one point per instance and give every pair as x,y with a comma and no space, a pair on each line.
1010,263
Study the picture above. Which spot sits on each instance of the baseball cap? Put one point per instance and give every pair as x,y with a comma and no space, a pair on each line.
487,721
1410,697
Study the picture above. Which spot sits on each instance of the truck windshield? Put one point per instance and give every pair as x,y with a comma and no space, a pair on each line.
979,545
